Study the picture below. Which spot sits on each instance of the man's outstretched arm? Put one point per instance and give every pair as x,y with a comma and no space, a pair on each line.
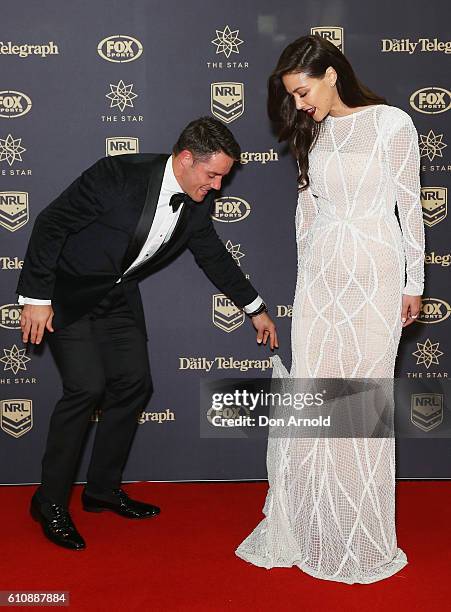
218,264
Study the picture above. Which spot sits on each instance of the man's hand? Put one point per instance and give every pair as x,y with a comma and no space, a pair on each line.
265,328
34,321
410,308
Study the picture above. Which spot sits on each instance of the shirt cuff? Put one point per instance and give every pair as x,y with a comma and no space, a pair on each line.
34,302
252,307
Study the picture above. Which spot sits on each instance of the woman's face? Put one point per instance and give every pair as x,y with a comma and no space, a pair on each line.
314,96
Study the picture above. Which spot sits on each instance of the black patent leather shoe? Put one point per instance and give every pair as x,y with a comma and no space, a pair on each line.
122,505
57,525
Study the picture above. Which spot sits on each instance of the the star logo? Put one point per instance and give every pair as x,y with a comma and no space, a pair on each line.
11,149
431,145
427,353
14,359
227,41
121,95
234,250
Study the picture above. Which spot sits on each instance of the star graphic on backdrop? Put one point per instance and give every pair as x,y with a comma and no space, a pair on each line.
427,353
234,250
11,149
121,95
227,41
14,359
431,145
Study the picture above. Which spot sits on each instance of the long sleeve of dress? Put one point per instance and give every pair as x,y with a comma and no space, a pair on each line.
306,212
404,160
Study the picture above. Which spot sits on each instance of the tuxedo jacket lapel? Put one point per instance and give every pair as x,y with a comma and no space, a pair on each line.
148,212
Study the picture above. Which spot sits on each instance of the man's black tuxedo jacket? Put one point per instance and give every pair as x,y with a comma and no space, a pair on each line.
83,242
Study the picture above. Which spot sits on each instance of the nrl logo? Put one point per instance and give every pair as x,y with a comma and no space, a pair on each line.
14,104
226,315
13,209
119,48
434,201
335,35
426,410
16,416
227,101
120,145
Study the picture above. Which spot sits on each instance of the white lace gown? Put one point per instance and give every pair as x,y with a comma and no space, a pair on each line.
330,508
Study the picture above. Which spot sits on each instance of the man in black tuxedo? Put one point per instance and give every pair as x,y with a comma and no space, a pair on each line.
122,219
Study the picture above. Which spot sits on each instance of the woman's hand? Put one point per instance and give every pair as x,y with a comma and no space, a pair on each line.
410,308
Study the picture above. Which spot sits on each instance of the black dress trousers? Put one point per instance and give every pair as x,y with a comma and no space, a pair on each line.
103,362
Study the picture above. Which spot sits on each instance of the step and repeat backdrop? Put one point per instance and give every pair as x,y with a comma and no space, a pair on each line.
82,80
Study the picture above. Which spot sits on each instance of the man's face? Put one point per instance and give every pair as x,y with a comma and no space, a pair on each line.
197,177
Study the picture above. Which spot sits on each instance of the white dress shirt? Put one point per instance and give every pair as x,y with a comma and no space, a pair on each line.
162,228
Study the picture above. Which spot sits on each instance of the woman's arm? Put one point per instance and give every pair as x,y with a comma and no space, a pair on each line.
306,212
404,162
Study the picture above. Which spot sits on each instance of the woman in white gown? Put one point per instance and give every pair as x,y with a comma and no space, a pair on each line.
330,508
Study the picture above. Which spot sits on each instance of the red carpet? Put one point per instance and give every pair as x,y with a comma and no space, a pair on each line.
184,559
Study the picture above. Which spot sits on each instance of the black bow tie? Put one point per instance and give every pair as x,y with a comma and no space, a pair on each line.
177,200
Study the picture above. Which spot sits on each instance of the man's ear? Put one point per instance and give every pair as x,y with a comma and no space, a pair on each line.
186,158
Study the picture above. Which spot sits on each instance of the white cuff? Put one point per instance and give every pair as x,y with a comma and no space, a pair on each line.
34,302
413,288
252,307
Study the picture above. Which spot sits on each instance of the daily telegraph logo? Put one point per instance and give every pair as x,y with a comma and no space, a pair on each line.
284,310
13,209
433,310
119,48
16,416
405,45
333,34
227,101
120,145
434,201
156,417
229,209
14,104
9,48
426,410
437,259
10,263
431,100
226,315
260,157
431,145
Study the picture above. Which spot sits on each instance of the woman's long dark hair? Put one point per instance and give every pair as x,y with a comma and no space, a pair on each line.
311,55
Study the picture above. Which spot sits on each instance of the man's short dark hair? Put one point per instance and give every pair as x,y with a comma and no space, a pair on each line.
206,136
